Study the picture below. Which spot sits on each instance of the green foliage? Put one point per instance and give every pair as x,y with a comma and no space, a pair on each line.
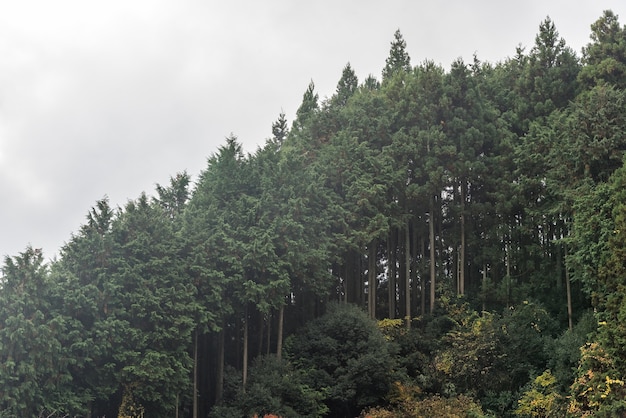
489,198
344,355
274,387
564,352
470,358
398,59
527,328
605,56
34,371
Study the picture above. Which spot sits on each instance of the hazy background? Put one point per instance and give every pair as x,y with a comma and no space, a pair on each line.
111,98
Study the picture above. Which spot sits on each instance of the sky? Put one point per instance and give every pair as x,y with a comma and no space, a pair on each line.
112,98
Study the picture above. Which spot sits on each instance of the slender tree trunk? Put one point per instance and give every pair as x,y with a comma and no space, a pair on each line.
279,342
569,295
415,296
195,375
219,384
484,287
245,348
346,274
268,335
260,331
407,273
371,279
423,278
401,279
391,255
461,284
507,250
359,281
431,235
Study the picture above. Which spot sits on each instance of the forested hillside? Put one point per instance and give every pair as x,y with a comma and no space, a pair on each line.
434,243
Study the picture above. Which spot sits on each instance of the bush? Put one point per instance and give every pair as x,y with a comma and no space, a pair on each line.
344,355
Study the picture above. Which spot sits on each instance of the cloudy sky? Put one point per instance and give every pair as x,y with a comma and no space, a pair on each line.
111,98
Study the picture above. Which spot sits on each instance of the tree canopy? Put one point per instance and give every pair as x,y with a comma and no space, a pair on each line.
439,242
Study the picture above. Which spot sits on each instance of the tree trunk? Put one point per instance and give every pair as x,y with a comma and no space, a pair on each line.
219,384
391,279
484,287
261,333
346,283
279,342
407,273
415,289
268,335
558,275
507,250
245,348
423,278
461,284
569,295
431,235
371,279
195,375
358,280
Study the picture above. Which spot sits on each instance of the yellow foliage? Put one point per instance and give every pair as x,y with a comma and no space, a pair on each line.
130,408
444,362
407,402
541,400
595,387
392,328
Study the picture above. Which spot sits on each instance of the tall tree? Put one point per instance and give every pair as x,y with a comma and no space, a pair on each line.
307,109
597,260
398,59
157,306
605,56
174,197
214,251
34,376
90,297
347,86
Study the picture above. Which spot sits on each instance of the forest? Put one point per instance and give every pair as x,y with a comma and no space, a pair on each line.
433,243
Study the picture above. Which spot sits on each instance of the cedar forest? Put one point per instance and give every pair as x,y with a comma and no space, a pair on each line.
436,243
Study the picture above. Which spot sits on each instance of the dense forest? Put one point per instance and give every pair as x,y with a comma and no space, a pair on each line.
433,243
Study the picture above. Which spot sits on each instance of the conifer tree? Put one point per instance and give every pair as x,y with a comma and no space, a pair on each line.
34,376
605,56
398,59
346,87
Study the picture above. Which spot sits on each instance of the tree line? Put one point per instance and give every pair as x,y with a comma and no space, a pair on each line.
476,213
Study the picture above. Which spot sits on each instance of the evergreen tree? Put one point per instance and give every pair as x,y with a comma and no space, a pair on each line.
307,109
605,56
597,261
398,59
34,376
174,197
157,308
89,299
280,129
346,87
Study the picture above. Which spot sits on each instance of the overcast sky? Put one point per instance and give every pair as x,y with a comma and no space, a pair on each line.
112,97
